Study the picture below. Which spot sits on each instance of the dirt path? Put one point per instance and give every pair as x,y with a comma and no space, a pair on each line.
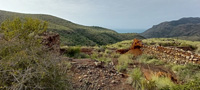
92,75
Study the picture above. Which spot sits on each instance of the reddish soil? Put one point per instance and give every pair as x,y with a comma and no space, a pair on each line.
150,70
122,51
87,50
135,48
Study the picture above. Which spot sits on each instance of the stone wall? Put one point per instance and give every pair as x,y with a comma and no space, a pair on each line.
172,54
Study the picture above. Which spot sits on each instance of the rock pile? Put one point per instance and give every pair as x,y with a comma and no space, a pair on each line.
172,54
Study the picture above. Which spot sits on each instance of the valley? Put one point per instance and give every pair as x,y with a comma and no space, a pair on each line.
44,52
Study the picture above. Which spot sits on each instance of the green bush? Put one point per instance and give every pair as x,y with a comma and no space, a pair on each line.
177,68
188,72
149,59
102,49
115,55
148,85
81,55
94,55
123,62
72,51
25,30
155,62
137,78
162,82
192,85
104,59
27,64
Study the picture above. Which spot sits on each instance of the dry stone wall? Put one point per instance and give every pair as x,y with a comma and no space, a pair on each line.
172,54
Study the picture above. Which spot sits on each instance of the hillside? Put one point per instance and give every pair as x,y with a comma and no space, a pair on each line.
150,64
74,34
164,67
185,28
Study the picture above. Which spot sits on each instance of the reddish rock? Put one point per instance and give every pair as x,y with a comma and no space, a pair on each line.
51,41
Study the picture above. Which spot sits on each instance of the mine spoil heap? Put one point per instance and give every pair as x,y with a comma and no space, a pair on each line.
135,48
172,54
169,54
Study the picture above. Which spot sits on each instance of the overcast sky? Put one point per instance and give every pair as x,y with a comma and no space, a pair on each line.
113,14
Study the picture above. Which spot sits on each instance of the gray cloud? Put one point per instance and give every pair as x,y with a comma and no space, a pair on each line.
114,14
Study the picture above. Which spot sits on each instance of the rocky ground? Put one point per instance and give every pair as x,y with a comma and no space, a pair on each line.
88,74
93,75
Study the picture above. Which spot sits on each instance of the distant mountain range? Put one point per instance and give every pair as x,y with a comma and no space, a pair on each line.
75,34
184,28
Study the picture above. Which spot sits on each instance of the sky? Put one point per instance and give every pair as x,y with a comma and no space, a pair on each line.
120,15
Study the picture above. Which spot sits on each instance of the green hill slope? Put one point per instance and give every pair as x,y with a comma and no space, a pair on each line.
74,34
185,28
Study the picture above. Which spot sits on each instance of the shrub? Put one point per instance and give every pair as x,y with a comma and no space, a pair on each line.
188,72
104,59
94,55
177,68
119,45
102,49
24,67
81,55
183,44
162,82
27,64
148,85
75,52
108,51
155,62
25,30
102,56
115,55
72,51
137,78
123,62
192,85
144,58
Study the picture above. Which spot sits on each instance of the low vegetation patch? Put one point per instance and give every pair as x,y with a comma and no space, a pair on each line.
123,62
102,54
162,82
137,77
148,59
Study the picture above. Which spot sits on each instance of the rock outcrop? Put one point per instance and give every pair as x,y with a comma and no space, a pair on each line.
51,41
134,49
